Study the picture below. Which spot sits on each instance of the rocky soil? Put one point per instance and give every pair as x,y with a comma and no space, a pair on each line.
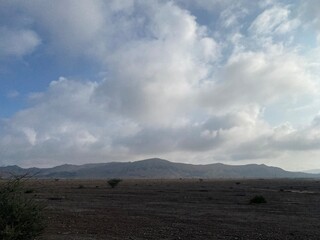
179,209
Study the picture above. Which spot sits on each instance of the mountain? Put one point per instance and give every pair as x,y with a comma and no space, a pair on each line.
155,168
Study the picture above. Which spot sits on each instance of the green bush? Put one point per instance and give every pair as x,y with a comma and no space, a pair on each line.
114,182
20,215
257,199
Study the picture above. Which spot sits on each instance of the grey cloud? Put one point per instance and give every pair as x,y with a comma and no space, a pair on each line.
157,141
205,136
17,42
282,140
303,140
309,13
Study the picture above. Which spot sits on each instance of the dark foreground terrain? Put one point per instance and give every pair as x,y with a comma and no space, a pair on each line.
180,209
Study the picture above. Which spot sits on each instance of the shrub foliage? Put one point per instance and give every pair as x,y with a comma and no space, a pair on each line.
20,214
257,199
114,182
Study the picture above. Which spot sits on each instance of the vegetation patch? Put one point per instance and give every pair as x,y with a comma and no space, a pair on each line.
114,182
29,191
20,214
55,198
257,200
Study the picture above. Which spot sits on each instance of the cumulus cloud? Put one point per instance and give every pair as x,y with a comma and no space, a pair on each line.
258,77
160,68
64,124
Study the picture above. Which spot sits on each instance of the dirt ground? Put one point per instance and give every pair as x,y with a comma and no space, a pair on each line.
179,209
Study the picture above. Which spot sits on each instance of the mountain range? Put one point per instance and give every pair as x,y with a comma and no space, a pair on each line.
154,168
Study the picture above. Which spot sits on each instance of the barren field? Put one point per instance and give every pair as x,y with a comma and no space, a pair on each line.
179,209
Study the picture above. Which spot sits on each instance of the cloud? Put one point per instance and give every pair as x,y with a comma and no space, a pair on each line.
270,21
13,94
170,84
310,11
68,124
299,140
258,77
64,124
159,68
55,129
17,42
214,132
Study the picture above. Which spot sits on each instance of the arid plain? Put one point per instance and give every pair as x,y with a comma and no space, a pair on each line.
179,209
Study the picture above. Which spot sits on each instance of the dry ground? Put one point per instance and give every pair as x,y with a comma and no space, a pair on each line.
180,209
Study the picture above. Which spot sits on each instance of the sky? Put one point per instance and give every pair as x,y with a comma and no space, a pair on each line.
206,81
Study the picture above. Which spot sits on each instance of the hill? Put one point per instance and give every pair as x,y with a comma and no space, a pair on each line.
155,168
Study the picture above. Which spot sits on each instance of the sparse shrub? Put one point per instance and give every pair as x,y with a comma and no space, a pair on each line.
29,191
80,186
257,199
55,198
20,215
114,182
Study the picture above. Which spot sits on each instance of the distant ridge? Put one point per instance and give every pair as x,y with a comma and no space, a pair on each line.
155,168
313,171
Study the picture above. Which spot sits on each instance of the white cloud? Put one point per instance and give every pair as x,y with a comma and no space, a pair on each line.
270,21
258,77
159,71
64,124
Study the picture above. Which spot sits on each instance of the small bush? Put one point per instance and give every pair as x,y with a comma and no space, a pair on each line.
257,199
29,191
80,186
114,182
55,198
20,215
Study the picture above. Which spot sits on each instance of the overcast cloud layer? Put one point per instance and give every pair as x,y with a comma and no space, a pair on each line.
191,81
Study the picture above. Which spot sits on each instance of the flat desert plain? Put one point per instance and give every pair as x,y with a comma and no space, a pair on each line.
179,209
